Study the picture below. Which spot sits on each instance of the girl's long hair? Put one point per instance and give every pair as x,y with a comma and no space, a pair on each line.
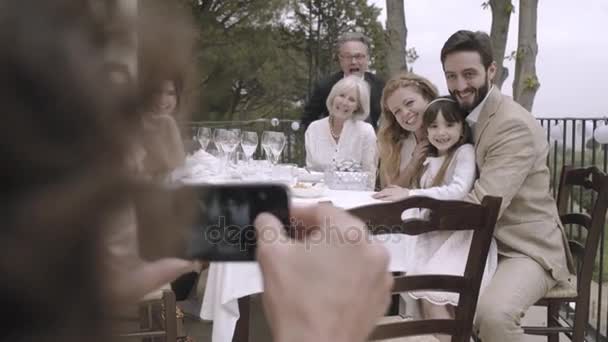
390,133
451,112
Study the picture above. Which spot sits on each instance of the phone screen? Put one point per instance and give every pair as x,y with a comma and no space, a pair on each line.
215,221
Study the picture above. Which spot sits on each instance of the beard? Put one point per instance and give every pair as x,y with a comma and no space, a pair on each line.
480,94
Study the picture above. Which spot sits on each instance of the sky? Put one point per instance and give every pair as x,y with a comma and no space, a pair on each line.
572,60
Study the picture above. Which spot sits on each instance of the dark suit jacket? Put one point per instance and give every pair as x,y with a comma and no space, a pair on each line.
316,108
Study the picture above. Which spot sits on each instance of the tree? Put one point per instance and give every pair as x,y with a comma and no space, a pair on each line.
526,82
237,49
260,58
313,27
396,36
501,16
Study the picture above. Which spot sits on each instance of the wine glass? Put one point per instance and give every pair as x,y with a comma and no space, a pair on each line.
275,142
266,144
228,140
249,143
203,135
233,156
218,137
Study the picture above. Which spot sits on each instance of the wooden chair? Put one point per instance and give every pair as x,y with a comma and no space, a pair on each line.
157,318
577,292
385,218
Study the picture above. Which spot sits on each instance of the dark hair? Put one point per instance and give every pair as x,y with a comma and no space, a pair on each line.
65,132
158,33
451,112
65,136
465,40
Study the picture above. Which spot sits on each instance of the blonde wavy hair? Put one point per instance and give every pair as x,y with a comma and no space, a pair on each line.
390,133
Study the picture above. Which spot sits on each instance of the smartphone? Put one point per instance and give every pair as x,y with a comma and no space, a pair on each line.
207,222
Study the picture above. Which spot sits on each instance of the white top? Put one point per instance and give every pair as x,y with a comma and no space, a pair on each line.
357,142
407,149
459,176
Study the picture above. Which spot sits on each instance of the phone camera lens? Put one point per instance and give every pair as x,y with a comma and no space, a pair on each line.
263,196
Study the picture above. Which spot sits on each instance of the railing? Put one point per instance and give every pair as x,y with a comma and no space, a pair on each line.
571,141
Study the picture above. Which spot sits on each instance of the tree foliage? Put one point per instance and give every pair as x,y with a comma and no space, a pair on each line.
261,58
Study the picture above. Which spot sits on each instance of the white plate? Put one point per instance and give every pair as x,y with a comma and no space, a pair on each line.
308,190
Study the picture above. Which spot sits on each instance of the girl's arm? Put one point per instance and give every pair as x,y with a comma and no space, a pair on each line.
462,177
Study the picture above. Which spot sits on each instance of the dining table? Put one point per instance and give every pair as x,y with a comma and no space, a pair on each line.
227,282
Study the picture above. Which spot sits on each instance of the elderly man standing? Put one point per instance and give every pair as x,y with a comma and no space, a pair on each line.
352,49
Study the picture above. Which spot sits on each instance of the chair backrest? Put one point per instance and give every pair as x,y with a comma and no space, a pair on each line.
591,222
385,218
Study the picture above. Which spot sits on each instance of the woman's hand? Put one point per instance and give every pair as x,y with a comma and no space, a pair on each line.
420,152
392,193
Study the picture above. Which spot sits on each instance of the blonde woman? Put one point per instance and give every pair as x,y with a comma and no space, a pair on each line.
402,141
343,134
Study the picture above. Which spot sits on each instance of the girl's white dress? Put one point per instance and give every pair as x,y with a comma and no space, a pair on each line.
446,252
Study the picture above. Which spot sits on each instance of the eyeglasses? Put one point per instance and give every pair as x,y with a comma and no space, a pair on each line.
358,57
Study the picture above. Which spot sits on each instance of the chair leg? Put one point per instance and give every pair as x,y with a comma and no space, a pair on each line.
581,315
170,318
552,320
144,318
241,331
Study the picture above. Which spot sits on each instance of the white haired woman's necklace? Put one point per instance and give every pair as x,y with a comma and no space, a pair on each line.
334,135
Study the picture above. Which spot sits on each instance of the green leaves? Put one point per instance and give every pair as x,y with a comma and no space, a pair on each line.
531,82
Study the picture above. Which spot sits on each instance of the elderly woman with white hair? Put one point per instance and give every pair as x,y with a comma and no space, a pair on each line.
343,135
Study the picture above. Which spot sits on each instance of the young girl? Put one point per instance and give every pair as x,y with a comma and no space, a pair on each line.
447,173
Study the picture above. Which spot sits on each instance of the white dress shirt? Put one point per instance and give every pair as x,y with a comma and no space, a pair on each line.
474,115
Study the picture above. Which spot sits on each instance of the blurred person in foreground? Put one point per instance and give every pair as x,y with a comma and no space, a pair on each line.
67,185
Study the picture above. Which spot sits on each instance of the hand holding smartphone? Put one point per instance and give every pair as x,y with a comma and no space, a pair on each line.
206,222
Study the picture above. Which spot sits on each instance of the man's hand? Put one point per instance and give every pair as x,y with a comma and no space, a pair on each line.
331,285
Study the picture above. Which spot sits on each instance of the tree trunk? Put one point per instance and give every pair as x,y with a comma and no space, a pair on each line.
309,48
396,36
501,15
526,82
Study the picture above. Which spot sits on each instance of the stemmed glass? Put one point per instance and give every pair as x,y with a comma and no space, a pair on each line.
203,135
233,156
228,140
249,143
218,138
274,143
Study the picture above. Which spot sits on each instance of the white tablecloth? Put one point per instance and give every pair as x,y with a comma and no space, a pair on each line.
229,281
